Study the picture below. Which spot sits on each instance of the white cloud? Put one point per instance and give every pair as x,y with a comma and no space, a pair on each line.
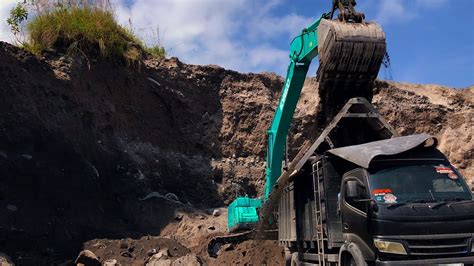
271,26
261,56
393,11
5,7
235,34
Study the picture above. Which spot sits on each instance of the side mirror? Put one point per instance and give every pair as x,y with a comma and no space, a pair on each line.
352,189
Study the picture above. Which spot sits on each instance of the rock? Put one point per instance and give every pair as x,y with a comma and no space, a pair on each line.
161,256
12,207
171,196
228,247
216,213
126,254
156,257
188,260
151,252
160,259
178,217
87,258
110,262
5,260
153,262
163,252
224,248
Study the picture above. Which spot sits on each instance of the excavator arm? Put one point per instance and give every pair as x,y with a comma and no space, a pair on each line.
243,211
303,49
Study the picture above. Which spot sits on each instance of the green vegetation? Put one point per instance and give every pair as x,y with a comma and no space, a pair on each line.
86,30
18,15
156,51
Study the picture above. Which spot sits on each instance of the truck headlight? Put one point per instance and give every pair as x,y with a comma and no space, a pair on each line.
390,247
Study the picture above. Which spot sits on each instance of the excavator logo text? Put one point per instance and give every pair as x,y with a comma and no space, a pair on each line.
283,96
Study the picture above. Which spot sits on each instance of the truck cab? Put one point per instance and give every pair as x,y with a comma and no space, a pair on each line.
407,210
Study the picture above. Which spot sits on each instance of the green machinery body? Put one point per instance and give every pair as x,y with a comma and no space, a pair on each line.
243,212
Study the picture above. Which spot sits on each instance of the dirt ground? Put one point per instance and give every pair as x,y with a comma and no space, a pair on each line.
125,162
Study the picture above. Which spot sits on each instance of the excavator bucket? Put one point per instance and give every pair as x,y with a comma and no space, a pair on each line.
350,56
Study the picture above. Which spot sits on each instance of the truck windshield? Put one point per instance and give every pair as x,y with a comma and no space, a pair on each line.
417,183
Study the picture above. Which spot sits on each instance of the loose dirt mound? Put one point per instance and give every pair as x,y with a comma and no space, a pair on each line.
111,153
135,251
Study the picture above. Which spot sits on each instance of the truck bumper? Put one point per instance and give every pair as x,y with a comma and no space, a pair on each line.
468,260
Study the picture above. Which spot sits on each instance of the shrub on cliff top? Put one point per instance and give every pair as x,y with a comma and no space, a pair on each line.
85,30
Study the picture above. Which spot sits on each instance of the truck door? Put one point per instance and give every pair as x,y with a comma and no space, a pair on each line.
354,209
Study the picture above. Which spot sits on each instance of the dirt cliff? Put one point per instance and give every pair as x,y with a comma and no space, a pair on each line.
110,152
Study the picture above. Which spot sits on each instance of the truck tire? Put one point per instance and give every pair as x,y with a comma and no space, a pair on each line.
353,256
349,261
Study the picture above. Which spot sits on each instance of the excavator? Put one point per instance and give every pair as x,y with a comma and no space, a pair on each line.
319,204
350,53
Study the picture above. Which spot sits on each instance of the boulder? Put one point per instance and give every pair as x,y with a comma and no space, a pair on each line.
5,260
188,260
87,258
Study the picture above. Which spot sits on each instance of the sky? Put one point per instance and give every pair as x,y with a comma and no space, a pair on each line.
429,41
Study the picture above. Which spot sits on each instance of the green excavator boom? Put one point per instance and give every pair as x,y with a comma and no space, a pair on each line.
243,211
303,49
350,54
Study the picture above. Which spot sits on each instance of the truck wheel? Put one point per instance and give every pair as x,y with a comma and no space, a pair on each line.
352,262
349,261
352,256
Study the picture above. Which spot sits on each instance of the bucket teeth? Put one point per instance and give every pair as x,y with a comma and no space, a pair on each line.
350,55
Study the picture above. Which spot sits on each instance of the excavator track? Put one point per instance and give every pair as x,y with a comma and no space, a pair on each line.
350,56
217,242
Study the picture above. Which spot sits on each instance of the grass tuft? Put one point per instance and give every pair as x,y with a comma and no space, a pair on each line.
88,31
156,51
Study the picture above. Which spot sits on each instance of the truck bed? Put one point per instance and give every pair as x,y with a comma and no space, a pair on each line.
358,122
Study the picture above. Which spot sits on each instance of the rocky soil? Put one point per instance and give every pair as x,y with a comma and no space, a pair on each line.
130,163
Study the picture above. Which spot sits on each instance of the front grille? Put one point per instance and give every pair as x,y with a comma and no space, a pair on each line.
439,246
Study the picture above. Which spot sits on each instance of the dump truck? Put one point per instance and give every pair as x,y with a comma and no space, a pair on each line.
359,193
